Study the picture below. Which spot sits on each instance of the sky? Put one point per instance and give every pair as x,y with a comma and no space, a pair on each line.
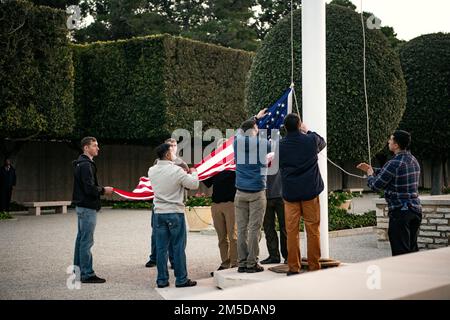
409,18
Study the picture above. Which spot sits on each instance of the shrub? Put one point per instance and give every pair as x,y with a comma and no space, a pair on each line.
198,200
132,205
142,89
36,71
426,66
346,116
5,216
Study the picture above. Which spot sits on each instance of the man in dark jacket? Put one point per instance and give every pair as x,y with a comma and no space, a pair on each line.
301,184
86,198
275,210
7,183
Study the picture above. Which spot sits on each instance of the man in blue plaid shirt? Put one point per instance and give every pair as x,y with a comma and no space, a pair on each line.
399,178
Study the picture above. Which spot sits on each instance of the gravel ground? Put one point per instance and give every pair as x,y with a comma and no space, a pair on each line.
36,251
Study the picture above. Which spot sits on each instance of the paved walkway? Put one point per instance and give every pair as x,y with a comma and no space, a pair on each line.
36,251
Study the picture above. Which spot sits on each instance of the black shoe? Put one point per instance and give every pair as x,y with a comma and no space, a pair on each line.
242,269
188,283
93,279
292,273
255,268
218,269
270,260
150,264
163,285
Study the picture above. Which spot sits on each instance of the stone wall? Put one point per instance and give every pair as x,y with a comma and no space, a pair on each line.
434,231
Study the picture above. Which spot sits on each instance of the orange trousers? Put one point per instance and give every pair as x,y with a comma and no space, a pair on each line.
310,211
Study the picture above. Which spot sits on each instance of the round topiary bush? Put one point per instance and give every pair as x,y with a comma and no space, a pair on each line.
426,66
347,139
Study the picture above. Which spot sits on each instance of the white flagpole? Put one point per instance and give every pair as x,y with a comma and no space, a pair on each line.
314,94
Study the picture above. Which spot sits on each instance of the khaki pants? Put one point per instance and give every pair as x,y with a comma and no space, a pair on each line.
310,210
250,210
225,225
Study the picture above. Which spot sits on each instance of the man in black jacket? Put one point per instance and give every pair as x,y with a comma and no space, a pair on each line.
86,198
7,183
301,184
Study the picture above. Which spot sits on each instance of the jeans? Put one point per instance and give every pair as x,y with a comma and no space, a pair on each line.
403,230
87,219
170,230
152,256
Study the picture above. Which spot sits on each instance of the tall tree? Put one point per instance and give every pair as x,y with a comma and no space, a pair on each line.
226,22
58,4
269,12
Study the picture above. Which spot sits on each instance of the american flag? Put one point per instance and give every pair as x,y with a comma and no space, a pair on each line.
222,158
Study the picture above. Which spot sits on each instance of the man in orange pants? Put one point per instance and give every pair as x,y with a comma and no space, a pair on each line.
301,185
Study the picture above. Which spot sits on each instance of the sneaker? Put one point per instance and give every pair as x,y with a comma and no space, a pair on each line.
270,260
242,269
93,279
150,264
255,268
163,285
218,269
292,273
188,283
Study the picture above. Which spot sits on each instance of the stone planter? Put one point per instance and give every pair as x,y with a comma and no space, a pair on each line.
346,205
198,218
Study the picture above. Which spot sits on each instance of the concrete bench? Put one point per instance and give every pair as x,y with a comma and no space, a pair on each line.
360,190
35,207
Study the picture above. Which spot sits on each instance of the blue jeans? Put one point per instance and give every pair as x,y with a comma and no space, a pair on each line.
87,219
170,230
152,256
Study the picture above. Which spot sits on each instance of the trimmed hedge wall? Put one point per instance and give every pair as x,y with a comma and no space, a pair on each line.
346,116
36,71
426,65
142,89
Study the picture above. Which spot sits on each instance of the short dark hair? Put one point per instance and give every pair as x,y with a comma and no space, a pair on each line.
291,122
402,138
247,125
170,140
87,141
162,150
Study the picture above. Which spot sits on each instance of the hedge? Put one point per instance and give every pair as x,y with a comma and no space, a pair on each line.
36,71
426,65
142,89
346,117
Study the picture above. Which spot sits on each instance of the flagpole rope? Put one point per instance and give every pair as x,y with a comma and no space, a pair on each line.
292,45
365,85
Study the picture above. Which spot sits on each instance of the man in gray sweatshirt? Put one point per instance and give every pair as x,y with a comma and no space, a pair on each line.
168,182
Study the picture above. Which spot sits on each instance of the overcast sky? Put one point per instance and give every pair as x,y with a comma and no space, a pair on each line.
410,18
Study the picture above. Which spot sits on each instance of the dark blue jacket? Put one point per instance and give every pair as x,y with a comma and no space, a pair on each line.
300,175
251,162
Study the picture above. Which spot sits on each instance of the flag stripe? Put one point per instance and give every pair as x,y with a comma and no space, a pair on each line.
222,158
